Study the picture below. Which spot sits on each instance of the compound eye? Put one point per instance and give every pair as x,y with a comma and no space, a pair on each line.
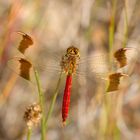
72,50
69,50
76,51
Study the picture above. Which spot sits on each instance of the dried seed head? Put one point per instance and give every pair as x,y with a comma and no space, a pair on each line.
32,115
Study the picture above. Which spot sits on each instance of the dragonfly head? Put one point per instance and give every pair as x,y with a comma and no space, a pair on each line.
73,51
70,60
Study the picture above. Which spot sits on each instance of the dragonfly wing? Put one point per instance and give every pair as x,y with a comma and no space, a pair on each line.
47,62
25,42
124,56
114,81
96,65
22,67
99,67
42,58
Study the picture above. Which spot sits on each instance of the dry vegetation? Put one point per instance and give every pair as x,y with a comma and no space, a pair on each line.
93,26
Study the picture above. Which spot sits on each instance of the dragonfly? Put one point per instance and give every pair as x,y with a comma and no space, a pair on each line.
69,65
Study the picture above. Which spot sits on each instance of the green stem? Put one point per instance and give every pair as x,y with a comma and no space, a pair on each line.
126,26
39,88
42,103
111,31
53,101
29,133
107,101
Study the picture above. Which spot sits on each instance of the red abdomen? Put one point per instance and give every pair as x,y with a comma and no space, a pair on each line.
66,98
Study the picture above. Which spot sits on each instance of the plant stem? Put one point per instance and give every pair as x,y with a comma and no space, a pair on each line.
107,105
44,121
111,31
42,103
53,101
125,26
29,133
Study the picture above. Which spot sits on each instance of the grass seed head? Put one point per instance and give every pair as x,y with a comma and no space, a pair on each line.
33,115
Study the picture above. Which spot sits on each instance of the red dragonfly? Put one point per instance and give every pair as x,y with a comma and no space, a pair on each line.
69,65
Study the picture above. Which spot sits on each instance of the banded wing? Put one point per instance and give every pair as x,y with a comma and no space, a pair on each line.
100,66
22,67
124,55
25,42
25,67
114,81
121,57
23,64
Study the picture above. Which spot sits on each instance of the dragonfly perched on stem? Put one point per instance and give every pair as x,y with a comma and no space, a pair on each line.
69,64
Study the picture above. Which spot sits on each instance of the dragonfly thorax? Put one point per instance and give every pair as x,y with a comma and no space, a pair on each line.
70,60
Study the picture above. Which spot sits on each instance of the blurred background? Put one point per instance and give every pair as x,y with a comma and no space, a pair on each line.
96,27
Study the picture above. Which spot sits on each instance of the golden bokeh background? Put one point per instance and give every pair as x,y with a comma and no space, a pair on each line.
54,25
